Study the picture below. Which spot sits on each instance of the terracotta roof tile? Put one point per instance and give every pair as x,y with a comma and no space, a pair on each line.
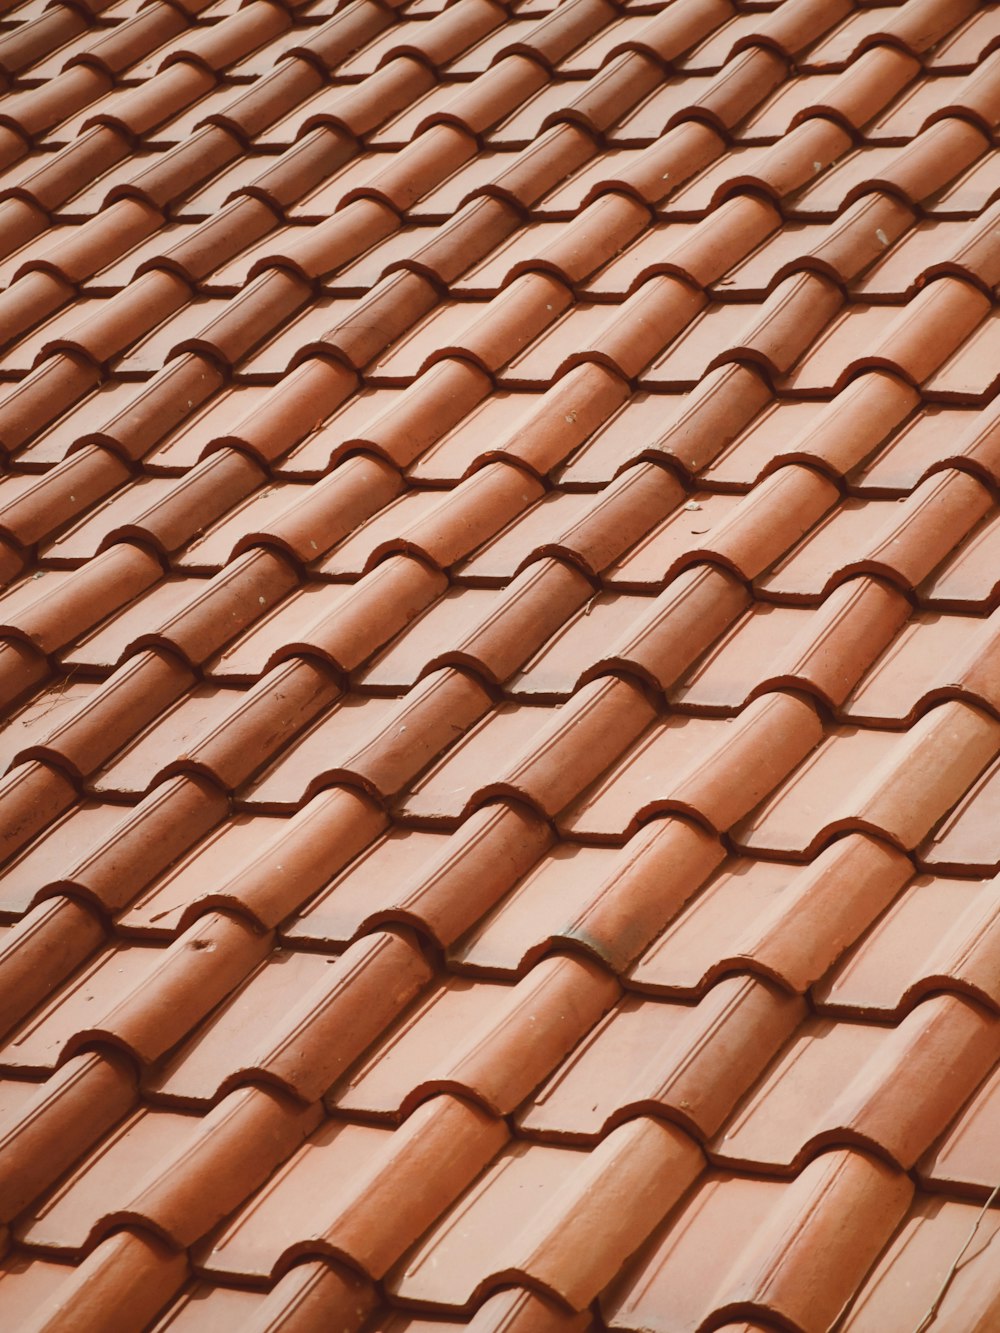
762,916
913,1268
498,550
920,941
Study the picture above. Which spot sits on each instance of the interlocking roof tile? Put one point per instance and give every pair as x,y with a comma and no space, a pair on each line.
500,739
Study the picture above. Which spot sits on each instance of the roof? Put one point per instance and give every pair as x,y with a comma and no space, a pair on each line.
498,648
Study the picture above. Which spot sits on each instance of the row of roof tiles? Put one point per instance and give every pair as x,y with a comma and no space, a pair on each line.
754,916
875,438
327,1193
627,100
321,1201
640,534
591,31
608,763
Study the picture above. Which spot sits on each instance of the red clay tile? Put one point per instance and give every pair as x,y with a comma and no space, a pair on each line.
49,610
38,717
911,781
655,638
332,1196
790,923
224,735
840,1082
965,1159
48,1127
855,96
824,651
934,657
606,901
441,528
328,1010
965,841
303,522
41,951
234,869
909,1276
437,883
965,581
773,1250
133,1178
463,627
589,530
695,252
768,441
145,840
494,1044
624,438
969,373
925,442
743,534
899,342
308,1294
312,620
358,742
535,429
131,1270
551,1201
902,542
625,340
973,191
938,935
773,337
924,168
905,263
117,996
712,769
465,469
688,1062
579,740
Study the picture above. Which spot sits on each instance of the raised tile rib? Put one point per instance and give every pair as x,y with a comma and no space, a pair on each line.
941,935
440,885
130,1269
336,1195
770,919
867,1092
783,1247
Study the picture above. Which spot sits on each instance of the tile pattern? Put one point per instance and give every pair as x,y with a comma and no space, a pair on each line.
498,642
